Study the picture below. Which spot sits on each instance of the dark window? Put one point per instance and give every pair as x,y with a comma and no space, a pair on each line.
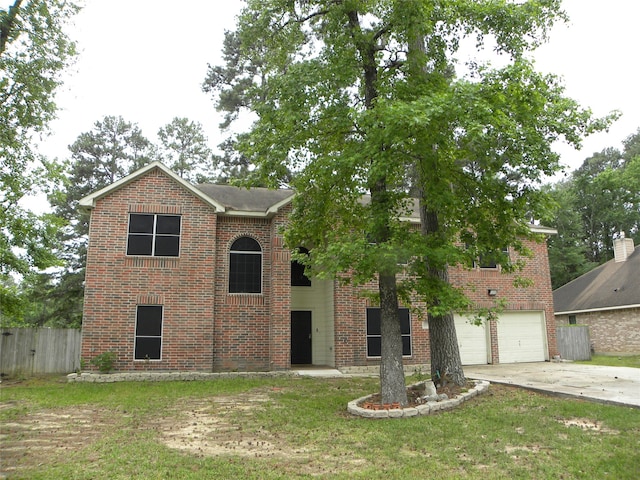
490,261
298,278
148,332
572,319
374,335
245,266
154,235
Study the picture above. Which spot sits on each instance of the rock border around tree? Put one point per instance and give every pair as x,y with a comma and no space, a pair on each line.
428,408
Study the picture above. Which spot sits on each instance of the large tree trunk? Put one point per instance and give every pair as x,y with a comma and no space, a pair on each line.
392,384
446,365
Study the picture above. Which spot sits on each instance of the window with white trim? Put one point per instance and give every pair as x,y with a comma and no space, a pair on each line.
374,333
154,235
148,341
245,266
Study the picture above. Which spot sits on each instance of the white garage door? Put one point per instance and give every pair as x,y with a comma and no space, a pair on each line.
522,337
472,342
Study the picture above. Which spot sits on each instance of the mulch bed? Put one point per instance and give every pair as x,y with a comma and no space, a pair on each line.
451,390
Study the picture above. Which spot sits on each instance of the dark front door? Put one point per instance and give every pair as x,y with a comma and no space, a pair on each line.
300,337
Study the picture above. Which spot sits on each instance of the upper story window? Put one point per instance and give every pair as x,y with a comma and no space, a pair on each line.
245,266
154,235
298,278
489,261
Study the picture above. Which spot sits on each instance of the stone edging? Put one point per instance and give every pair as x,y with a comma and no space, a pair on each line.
482,386
168,376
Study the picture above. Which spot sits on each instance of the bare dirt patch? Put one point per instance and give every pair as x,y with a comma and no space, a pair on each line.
587,424
45,436
206,427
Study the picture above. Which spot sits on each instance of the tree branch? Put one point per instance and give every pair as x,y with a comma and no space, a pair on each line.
7,23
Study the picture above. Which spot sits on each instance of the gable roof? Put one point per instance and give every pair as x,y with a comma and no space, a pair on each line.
237,201
611,286
89,202
224,199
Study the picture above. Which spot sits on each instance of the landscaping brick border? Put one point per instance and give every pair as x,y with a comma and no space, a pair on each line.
481,386
168,376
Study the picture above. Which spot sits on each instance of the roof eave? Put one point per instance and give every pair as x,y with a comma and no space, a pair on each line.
597,309
543,229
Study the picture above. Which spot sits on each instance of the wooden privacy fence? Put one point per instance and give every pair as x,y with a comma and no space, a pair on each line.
574,342
34,351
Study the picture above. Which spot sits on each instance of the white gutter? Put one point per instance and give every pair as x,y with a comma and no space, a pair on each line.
602,309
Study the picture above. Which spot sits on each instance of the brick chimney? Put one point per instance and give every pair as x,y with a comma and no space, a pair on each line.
622,248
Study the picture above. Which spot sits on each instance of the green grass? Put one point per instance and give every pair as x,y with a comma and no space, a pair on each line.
299,428
614,361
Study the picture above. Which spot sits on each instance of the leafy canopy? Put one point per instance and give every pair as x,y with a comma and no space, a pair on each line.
34,50
366,97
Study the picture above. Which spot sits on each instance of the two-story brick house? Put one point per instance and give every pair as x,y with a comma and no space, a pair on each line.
196,278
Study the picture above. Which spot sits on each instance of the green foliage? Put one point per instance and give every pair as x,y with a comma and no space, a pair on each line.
359,108
104,361
341,103
593,206
185,148
34,50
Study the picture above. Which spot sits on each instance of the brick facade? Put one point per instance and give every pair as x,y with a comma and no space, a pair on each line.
536,297
206,328
611,331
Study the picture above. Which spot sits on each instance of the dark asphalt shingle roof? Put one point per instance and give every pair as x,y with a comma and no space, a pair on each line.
611,285
255,199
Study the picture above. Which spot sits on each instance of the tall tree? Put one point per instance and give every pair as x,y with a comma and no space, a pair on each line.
232,85
112,149
99,157
567,250
185,148
34,50
342,104
597,203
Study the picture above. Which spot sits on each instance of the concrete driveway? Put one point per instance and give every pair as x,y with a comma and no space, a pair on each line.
610,385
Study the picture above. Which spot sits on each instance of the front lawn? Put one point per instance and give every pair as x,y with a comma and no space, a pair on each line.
299,428
614,360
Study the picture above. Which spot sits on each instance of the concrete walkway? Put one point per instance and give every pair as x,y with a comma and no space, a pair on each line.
610,385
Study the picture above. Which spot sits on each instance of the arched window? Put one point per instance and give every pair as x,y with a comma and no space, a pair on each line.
245,266
298,278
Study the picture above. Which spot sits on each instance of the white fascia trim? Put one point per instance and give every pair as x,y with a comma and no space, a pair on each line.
274,208
89,202
602,309
545,230
245,213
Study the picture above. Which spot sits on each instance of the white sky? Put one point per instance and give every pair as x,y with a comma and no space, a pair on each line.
145,60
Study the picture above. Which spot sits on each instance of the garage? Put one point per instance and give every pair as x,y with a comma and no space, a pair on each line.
472,342
522,337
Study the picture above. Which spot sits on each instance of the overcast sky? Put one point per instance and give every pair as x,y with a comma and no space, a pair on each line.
145,60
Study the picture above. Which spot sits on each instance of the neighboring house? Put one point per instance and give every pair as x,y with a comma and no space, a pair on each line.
184,277
607,299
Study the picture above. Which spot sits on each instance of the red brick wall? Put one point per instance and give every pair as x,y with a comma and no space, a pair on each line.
205,327
539,296
116,284
242,321
350,313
